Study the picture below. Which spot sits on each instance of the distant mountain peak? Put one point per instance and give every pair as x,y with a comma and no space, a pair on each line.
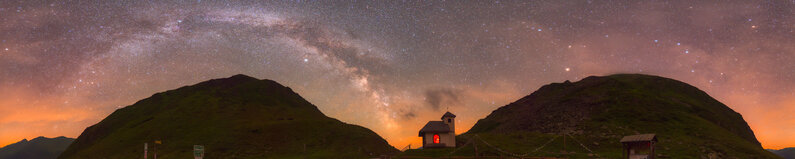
242,77
37,148
229,81
786,153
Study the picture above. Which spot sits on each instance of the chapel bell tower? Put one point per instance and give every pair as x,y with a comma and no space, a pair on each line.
449,119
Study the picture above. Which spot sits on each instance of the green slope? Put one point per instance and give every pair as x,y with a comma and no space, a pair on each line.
37,148
598,111
236,117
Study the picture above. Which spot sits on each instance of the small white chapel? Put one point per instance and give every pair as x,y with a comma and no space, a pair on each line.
439,134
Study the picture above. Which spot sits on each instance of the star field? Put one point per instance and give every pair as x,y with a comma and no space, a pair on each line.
386,65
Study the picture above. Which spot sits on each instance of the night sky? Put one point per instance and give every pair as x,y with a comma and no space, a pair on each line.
390,66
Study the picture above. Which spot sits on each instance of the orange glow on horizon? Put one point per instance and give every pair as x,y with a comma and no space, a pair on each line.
42,117
26,115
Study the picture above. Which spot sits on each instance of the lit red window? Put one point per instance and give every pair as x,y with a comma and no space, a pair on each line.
435,138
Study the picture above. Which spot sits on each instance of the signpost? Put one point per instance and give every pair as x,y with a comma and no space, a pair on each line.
146,147
198,151
155,146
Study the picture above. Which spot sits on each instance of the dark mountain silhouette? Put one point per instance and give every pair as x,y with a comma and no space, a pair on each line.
37,148
598,111
235,117
786,153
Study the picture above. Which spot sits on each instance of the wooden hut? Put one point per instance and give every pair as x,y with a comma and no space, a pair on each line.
639,146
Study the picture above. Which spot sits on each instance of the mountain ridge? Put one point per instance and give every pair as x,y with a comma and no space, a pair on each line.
786,153
238,116
600,110
37,148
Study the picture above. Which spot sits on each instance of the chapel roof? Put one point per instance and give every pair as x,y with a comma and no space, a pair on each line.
435,127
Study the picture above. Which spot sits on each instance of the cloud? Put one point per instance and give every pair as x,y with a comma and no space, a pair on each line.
410,114
437,98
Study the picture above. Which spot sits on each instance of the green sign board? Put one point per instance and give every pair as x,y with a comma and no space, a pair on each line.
198,151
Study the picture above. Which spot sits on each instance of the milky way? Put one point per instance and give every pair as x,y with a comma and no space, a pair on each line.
389,66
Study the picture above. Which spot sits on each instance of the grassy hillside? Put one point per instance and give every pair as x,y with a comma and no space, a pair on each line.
236,117
37,148
598,111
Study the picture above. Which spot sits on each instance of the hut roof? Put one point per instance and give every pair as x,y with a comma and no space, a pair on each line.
639,138
435,127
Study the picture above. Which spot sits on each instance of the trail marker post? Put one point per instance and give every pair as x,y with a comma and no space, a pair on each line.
154,146
146,147
198,151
